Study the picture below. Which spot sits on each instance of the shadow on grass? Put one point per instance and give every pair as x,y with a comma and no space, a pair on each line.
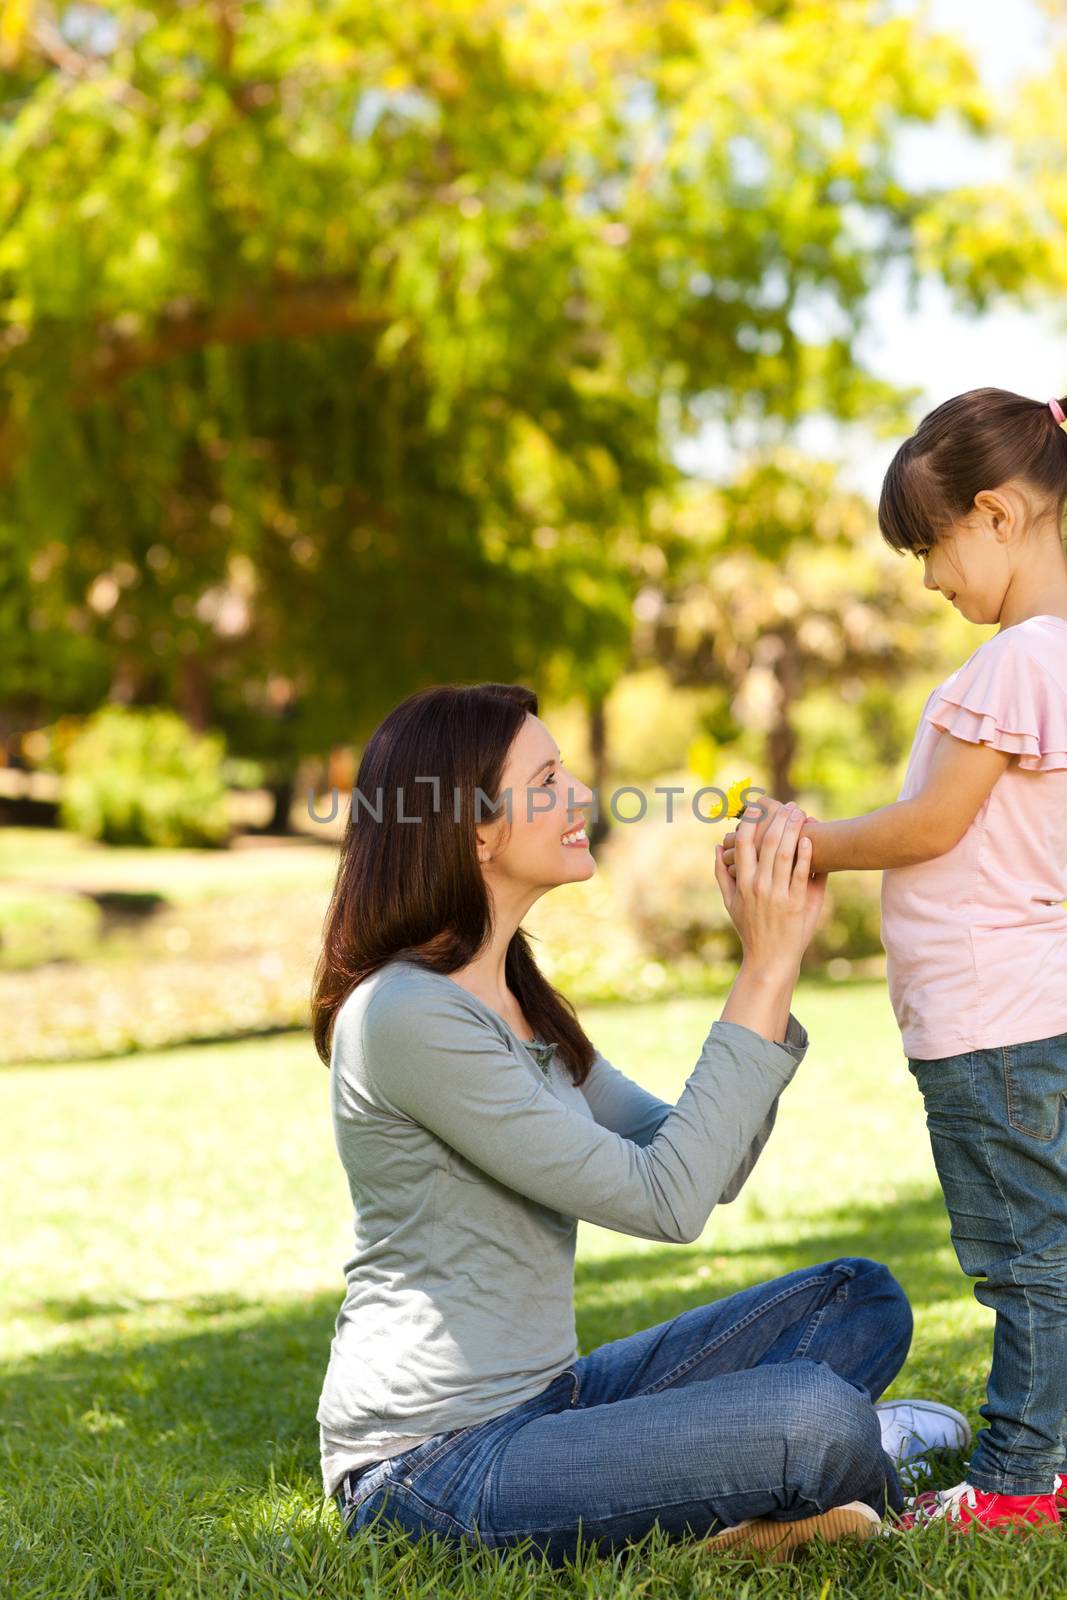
235,1395
126,1055
640,1289
82,1308
181,1443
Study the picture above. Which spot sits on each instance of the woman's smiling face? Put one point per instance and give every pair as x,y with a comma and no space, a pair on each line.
545,842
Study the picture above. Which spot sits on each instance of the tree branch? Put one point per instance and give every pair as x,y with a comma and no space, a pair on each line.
290,311
124,347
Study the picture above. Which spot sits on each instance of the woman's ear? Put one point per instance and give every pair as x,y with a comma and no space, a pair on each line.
487,841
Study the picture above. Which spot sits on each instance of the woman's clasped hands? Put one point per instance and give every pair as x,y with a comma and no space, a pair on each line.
764,874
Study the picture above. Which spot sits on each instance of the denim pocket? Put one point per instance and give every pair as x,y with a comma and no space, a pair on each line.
402,1465
1035,1081
367,1483
423,1456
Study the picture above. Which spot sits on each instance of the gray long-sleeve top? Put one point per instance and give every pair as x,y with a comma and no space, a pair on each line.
469,1164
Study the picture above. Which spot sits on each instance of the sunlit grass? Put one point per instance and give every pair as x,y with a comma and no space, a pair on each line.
175,1225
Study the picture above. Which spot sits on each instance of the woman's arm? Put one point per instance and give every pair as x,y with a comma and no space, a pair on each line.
774,905
423,1052
622,1105
426,1055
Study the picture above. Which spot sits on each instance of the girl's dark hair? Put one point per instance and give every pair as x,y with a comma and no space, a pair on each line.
972,442
415,889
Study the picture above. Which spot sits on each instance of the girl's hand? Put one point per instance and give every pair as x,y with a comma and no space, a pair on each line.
772,901
761,812
761,823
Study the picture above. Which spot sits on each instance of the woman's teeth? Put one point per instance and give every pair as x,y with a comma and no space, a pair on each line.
577,837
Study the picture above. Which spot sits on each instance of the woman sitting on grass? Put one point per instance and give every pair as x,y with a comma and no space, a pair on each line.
476,1122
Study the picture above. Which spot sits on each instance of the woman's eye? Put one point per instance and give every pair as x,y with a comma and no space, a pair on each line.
551,778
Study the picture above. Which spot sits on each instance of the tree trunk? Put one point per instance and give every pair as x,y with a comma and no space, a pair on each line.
282,792
781,737
194,693
598,755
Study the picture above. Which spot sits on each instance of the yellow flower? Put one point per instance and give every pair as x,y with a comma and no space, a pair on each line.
734,803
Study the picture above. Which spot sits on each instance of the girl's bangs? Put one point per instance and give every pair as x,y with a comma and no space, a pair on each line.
904,514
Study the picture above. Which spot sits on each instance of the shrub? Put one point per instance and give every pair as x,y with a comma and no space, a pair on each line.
665,878
850,926
144,777
46,925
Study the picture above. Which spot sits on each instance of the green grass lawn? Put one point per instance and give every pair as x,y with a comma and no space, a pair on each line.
174,1228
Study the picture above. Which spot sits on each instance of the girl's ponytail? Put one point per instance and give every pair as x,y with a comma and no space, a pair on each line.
975,441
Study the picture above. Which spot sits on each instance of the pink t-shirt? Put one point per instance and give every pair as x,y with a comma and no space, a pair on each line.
976,940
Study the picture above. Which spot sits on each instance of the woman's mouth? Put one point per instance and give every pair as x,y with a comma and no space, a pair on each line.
576,839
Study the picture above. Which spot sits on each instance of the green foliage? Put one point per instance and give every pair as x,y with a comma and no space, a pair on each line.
45,926
850,927
345,344
776,591
652,725
143,777
665,876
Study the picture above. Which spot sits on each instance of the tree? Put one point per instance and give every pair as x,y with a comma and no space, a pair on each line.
776,586
345,346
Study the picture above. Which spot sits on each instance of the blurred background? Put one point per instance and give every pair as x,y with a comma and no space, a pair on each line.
347,348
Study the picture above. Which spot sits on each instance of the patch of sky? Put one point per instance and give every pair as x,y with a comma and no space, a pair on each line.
914,335
749,165
404,104
89,28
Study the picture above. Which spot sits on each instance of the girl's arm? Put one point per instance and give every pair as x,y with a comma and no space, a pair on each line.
909,831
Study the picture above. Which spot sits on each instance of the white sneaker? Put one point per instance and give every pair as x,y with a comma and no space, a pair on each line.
912,1428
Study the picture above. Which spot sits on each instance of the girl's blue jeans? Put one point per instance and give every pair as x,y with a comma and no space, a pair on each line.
998,1131
757,1405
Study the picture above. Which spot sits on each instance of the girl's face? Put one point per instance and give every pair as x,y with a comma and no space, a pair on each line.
972,562
545,842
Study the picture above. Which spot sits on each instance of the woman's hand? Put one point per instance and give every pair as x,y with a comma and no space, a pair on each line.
771,899
765,810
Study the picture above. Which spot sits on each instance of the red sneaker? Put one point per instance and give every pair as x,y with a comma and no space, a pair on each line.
966,1506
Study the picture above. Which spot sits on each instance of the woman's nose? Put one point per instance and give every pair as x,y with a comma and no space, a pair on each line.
928,582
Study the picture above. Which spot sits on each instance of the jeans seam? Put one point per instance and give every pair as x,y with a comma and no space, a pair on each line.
639,1511
442,1448
734,1328
1007,1064
1031,1374
809,1333
436,1510
499,1444
354,1501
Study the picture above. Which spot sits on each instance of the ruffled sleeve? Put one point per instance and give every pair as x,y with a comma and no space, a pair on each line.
1005,698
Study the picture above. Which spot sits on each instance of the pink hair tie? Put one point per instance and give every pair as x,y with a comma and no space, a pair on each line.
1057,411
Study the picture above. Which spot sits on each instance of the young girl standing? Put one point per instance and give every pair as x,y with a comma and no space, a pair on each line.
974,853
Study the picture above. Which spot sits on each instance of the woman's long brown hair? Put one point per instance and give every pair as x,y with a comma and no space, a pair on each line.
415,889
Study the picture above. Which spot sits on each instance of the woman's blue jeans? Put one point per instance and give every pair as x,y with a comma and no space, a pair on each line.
757,1405
998,1130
